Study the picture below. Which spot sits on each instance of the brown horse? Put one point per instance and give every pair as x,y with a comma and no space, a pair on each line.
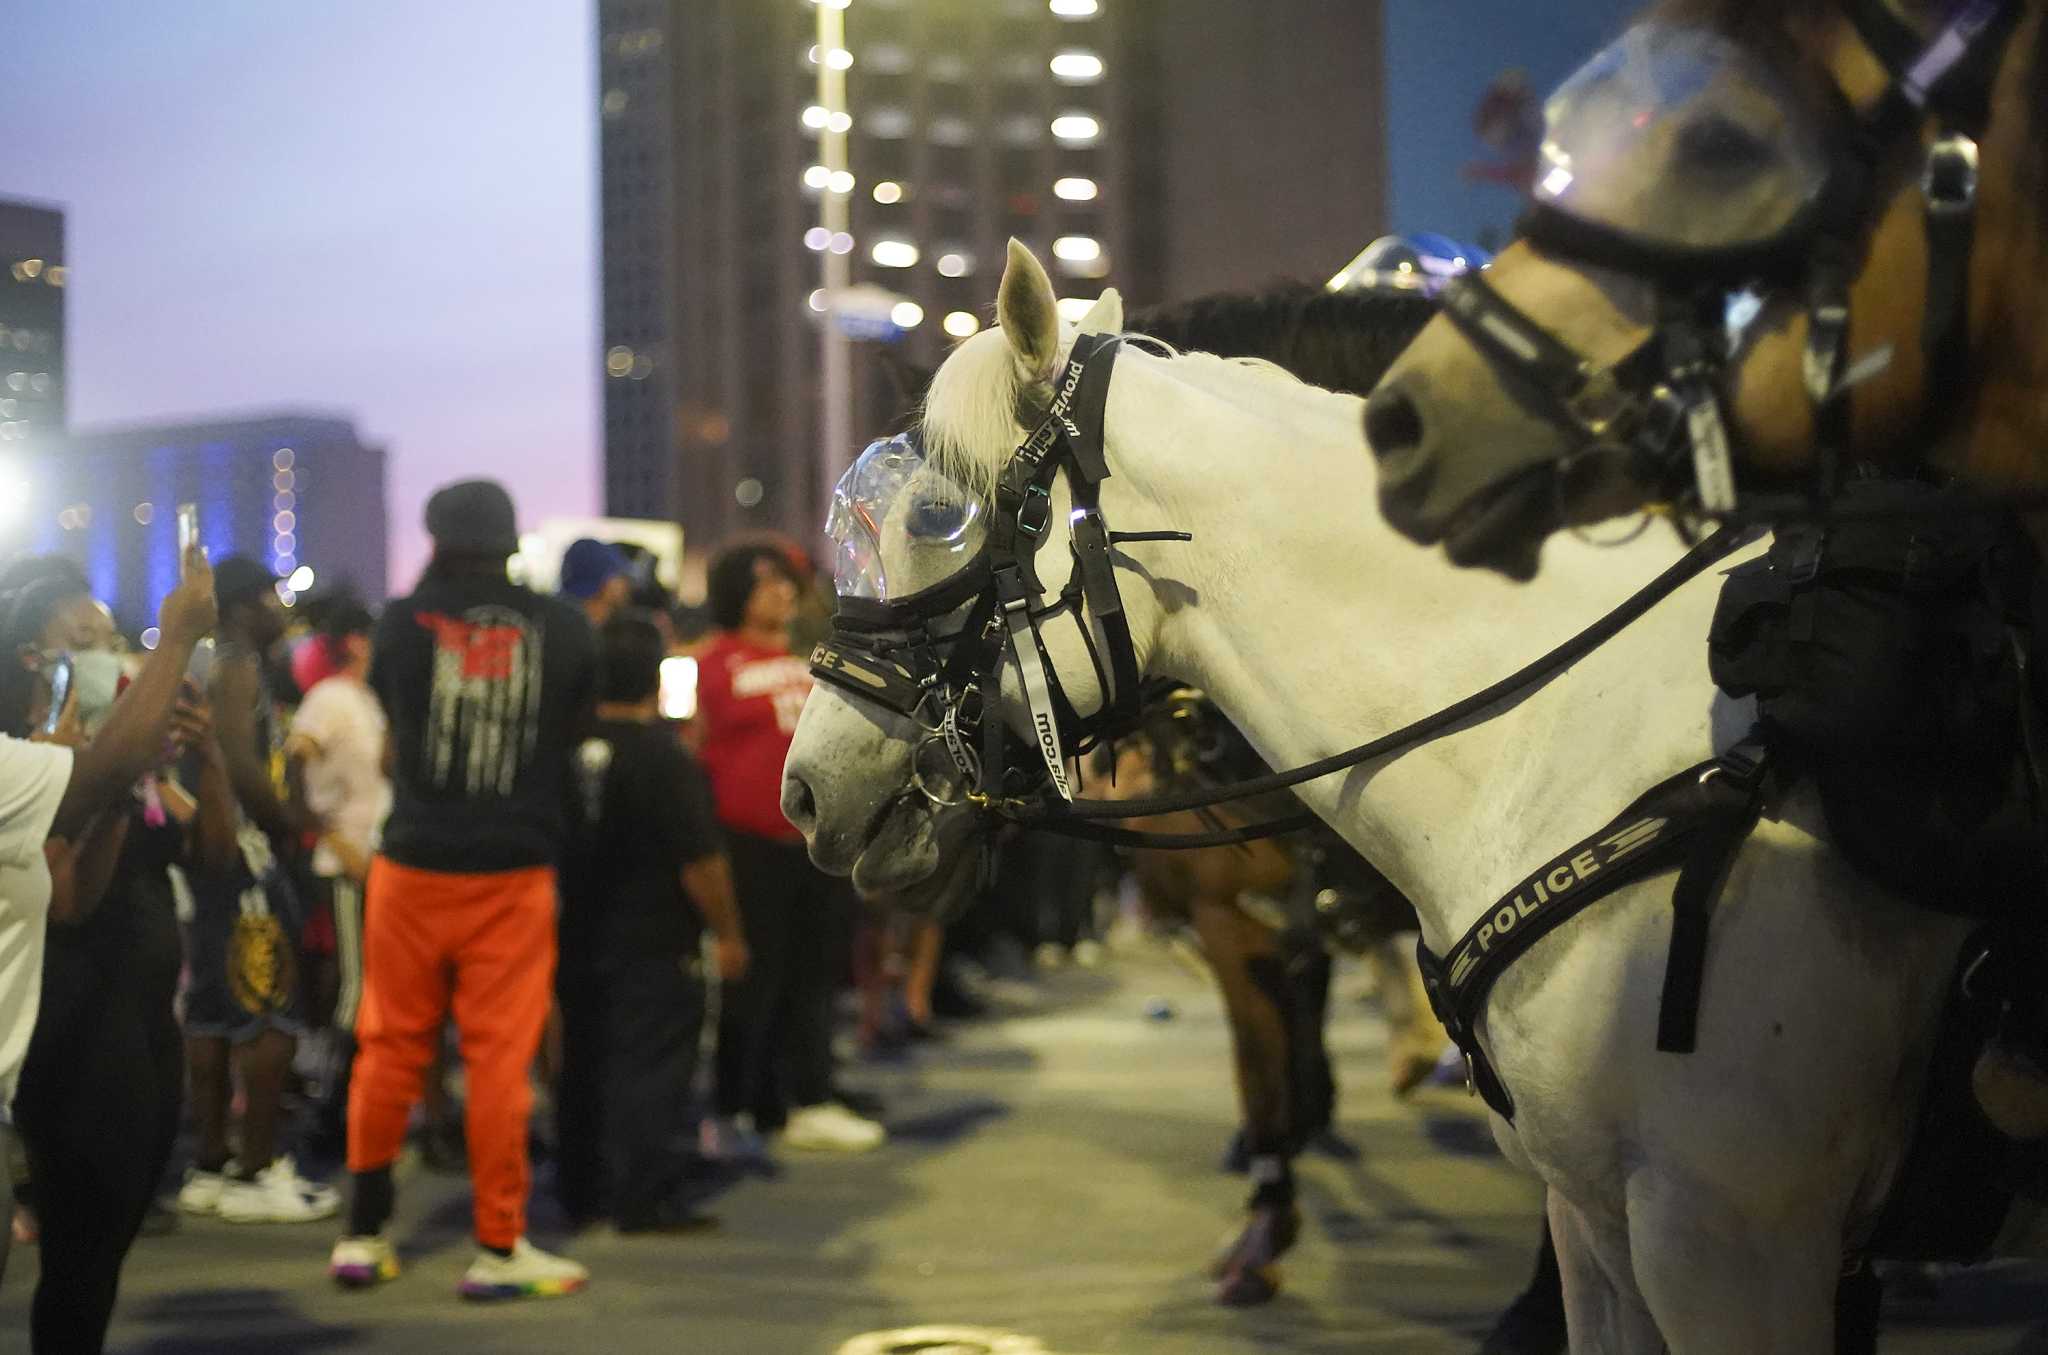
1230,896
1782,162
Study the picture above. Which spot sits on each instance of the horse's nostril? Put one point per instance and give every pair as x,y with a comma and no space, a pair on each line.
799,805
1393,422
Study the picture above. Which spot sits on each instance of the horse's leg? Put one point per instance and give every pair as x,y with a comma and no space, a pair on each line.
1414,1039
1721,1283
1248,963
1604,1312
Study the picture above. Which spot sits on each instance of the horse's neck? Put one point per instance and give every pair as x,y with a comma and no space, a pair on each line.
1314,627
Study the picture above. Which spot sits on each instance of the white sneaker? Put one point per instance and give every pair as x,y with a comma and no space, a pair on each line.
831,1128
278,1195
201,1192
528,1273
359,1262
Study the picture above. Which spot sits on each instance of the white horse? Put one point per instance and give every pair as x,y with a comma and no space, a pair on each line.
1705,1199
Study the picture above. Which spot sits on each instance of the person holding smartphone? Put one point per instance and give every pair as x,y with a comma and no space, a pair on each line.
53,795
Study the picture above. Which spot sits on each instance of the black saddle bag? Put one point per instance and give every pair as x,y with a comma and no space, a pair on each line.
1878,653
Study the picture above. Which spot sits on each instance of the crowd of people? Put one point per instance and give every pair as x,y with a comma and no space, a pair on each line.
254,876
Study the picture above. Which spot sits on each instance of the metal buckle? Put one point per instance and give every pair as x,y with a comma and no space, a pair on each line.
1034,515
1949,179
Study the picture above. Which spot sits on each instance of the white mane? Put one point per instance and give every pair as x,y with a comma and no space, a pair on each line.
971,410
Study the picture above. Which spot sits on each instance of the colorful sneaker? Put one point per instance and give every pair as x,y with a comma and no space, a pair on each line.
733,1140
278,1195
528,1273
201,1192
359,1262
831,1128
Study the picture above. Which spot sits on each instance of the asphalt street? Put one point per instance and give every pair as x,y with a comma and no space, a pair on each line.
1051,1189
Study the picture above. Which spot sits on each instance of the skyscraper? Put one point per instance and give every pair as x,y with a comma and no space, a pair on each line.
972,120
32,278
293,490
1099,132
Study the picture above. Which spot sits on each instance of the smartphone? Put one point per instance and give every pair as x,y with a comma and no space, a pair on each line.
60,693
188,530
200,670
678,687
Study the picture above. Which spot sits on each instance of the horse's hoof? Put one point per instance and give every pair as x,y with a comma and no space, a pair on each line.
2012,1090
1248,1288
1411,1072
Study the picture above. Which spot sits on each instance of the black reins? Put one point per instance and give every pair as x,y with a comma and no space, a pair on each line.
1077,818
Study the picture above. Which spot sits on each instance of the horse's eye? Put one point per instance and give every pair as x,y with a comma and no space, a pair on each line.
932,518
1718,144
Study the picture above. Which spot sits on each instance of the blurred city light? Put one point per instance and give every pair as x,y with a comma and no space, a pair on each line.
815,117
1076,67
817,176
840,123
906,315
1077,248
150,637
961,324
833,4
955,264
841,181
1074,308
301,580
887,192
747,493
842,243
839,59
678,687
1075,190
816,300
894,253
1076,129
817,238
1074,9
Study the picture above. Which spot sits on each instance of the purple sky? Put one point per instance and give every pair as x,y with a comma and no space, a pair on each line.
380,207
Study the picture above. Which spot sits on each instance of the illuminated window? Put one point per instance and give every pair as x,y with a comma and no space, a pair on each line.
894,253
1076,129
1077,67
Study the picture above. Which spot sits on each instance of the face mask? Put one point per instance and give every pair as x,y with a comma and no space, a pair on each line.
96,678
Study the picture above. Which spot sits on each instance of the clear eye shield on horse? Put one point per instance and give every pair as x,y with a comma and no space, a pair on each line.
938,590
1680,157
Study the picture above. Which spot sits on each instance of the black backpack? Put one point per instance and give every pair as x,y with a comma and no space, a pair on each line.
1880,652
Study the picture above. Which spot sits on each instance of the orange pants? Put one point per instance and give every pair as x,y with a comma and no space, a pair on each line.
483,945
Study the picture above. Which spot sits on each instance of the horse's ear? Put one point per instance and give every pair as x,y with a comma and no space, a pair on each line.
1106,316
1029,314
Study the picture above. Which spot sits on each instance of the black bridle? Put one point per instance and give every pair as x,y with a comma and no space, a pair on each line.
1664,403
936,657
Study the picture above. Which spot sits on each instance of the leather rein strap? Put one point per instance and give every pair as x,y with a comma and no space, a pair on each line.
1069,817
1693,821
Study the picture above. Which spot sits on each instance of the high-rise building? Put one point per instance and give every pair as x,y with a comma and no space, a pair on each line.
293,490
32,277
972,120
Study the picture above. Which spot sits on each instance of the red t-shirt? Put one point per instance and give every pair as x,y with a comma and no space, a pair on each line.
748,700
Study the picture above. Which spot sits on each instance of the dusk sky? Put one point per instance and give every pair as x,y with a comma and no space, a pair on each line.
384,208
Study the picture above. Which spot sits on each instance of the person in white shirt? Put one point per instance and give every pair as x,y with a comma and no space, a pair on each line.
336,755
53,794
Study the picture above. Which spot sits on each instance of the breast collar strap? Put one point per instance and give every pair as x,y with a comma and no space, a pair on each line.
1694,821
